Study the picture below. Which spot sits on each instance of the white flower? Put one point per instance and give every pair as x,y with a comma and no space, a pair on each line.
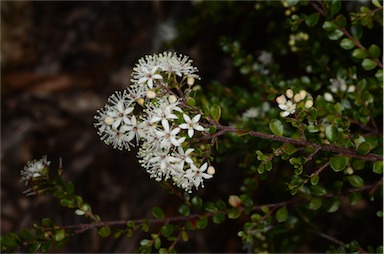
183,156
35,169
287,105
191,124
251,113
132,130
328,97
119,113
197,175
168,136
149,76
265,58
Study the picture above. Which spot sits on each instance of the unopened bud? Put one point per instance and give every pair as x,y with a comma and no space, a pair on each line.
281,99
303,94
289,93
172,99
328,96
151,94
297,97
190,80
234,201
308,104
108,120
211,170
140,101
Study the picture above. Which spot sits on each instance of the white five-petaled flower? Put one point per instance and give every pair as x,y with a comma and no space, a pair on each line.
197,174
150,76
119,113
191,124
35,169
168,136
287,106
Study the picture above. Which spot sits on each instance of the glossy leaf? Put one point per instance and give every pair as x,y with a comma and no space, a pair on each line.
368,64
276,127
104,231
338,163
355,181
347,44
282,214
157,212
378,167
331,133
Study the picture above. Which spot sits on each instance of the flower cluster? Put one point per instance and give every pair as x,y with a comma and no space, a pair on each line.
35,169
288,102
151,115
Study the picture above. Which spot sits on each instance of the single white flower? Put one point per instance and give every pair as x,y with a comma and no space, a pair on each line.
119,113
150,76
289,108
168,136
34,169
191,124
197,175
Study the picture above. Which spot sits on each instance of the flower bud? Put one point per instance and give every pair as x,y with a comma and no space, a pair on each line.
289,93
151,94
308,104
108,120
328,97
234,201
281,99
172,99
140,101
303,94
211,170
190,80
297,98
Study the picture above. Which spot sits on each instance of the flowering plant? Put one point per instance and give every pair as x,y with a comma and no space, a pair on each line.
309,147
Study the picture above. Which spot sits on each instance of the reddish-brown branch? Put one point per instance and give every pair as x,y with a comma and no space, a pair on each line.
324,147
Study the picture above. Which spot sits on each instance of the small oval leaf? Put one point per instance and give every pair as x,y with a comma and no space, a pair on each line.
276,127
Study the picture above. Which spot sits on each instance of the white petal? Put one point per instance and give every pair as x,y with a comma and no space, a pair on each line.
142,80
186,118
196,118
190,132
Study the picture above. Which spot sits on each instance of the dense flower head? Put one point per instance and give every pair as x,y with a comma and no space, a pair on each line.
150,115
35,169
289,101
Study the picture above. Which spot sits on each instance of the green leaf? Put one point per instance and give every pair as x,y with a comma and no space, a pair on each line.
191,102
329,26
210,207
70,188
338,163
355,181
378,167
215,112
202,223
157,212
184,236
292,2
376,3
288,149
167,230
184,210
234,213
282,214
312,19
59,235
26,234
379,75
374,51
335,35
218,218
197,202
315,179
331,133
315,203
276,127
335,7
34,247
334,205
220,204
104,231
318,190
364,148
368,64
347,44
359,53
157,243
